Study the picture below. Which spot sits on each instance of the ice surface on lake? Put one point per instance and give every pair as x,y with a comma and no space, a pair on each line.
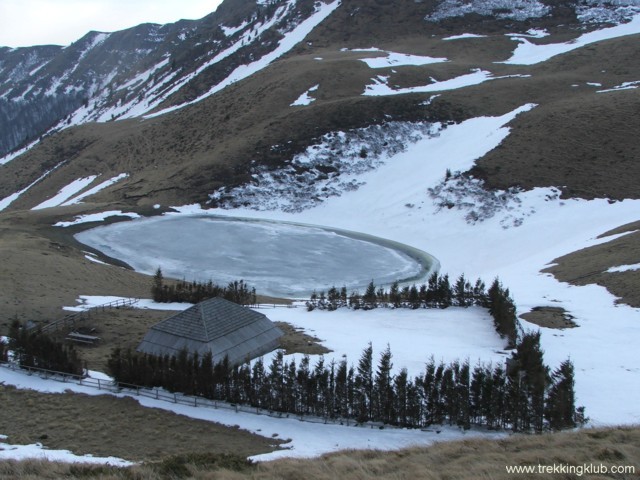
277,258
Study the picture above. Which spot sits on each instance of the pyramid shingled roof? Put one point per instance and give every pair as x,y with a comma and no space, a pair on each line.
216,325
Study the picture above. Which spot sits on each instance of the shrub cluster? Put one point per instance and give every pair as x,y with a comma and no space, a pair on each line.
522,396
195,292
31,348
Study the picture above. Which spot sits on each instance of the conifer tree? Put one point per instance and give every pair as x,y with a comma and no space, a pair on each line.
497,410
369,298
401,399
479,293
460,291
414,297
303,376
478,379
364,385
342,390
560,409
157,288
394,295
276,381
528,379
291,391
432,290
260,390
463,400
383,387
444,292
429,390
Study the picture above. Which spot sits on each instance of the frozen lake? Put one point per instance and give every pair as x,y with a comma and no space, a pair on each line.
280,259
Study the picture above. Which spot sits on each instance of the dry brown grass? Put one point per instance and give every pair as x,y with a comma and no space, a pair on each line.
106,425
296,341
42,269
462,460
589,265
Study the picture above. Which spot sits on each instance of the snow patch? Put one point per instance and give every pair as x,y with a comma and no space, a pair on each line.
393,59
623,86
527,53
380,86
230,31
624,268
96,189
66,192
516,255
305,98
91,257
96,217
86,302
464,36
531,33
39,452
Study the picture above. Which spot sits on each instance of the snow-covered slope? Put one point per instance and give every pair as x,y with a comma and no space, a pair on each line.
513,239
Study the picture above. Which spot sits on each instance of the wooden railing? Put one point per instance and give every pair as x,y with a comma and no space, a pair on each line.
177,398
73,318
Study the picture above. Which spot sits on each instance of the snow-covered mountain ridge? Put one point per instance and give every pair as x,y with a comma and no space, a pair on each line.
107,76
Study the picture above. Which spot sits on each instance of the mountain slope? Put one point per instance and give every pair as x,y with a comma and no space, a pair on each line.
186,155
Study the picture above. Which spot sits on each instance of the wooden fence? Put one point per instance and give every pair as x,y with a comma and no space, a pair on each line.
73,318
177,398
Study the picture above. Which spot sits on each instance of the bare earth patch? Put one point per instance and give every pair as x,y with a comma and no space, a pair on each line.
296,341
549,317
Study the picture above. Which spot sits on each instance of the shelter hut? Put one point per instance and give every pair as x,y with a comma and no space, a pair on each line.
218,326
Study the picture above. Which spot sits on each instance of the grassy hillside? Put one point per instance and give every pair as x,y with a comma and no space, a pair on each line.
470,459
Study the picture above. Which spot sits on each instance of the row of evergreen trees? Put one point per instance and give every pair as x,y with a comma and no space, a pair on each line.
32,348
194,292
523,395
438,292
